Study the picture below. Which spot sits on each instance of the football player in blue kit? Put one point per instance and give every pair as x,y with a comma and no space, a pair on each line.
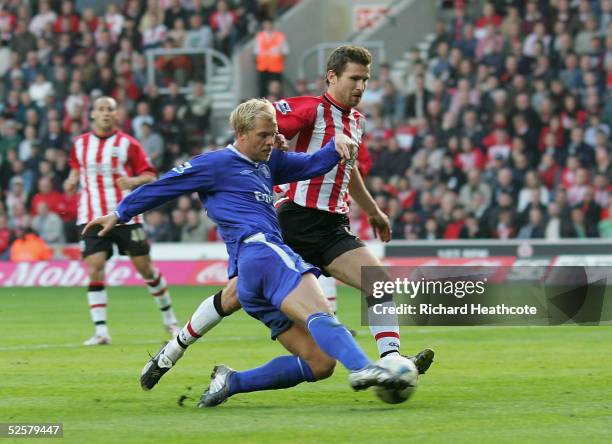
275,285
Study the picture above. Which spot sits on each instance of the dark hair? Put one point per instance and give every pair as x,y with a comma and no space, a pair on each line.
344,54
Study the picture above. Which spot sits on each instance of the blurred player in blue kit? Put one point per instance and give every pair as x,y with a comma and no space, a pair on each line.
275,285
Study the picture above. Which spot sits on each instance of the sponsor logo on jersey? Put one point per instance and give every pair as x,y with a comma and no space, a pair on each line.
283,107
263,197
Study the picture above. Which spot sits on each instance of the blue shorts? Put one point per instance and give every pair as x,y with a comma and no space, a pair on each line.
268,271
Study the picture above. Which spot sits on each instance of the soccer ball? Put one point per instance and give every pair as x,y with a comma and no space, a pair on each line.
407,371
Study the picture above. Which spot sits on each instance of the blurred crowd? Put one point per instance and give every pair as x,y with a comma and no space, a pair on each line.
57,56
501,129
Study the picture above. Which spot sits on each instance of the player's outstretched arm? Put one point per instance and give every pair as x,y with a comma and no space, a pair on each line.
107,223
129,183
378,220
197,175
291,167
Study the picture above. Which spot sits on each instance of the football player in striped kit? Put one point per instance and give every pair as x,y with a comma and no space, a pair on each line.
313,213
107,164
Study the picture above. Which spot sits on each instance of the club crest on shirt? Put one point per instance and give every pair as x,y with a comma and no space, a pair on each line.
264,171
283,107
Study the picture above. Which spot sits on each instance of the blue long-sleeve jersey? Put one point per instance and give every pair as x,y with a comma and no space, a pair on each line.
235,191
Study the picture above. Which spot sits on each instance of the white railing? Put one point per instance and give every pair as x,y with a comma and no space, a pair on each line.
213,61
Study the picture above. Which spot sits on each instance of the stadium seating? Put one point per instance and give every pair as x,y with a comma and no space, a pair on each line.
498,128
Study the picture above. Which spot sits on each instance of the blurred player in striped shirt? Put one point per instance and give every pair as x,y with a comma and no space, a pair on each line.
107,164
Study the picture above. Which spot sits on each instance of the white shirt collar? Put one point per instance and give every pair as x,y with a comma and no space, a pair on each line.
231,147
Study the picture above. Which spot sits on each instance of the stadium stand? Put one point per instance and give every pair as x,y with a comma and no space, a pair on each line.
56,57
500,128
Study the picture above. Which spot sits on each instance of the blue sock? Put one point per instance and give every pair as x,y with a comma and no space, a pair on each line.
335,340
279,373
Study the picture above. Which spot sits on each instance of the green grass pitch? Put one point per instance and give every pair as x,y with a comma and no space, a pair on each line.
546,384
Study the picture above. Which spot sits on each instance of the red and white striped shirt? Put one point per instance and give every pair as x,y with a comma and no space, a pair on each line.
309,122
101,160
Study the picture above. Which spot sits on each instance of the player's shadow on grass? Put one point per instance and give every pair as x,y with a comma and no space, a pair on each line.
374,406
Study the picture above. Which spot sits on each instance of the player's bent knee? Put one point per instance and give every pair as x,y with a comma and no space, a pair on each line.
322,366
229,299
230,304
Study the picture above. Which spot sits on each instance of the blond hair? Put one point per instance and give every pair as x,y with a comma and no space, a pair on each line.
242,119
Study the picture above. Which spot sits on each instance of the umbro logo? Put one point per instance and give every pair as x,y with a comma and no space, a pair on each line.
246,171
